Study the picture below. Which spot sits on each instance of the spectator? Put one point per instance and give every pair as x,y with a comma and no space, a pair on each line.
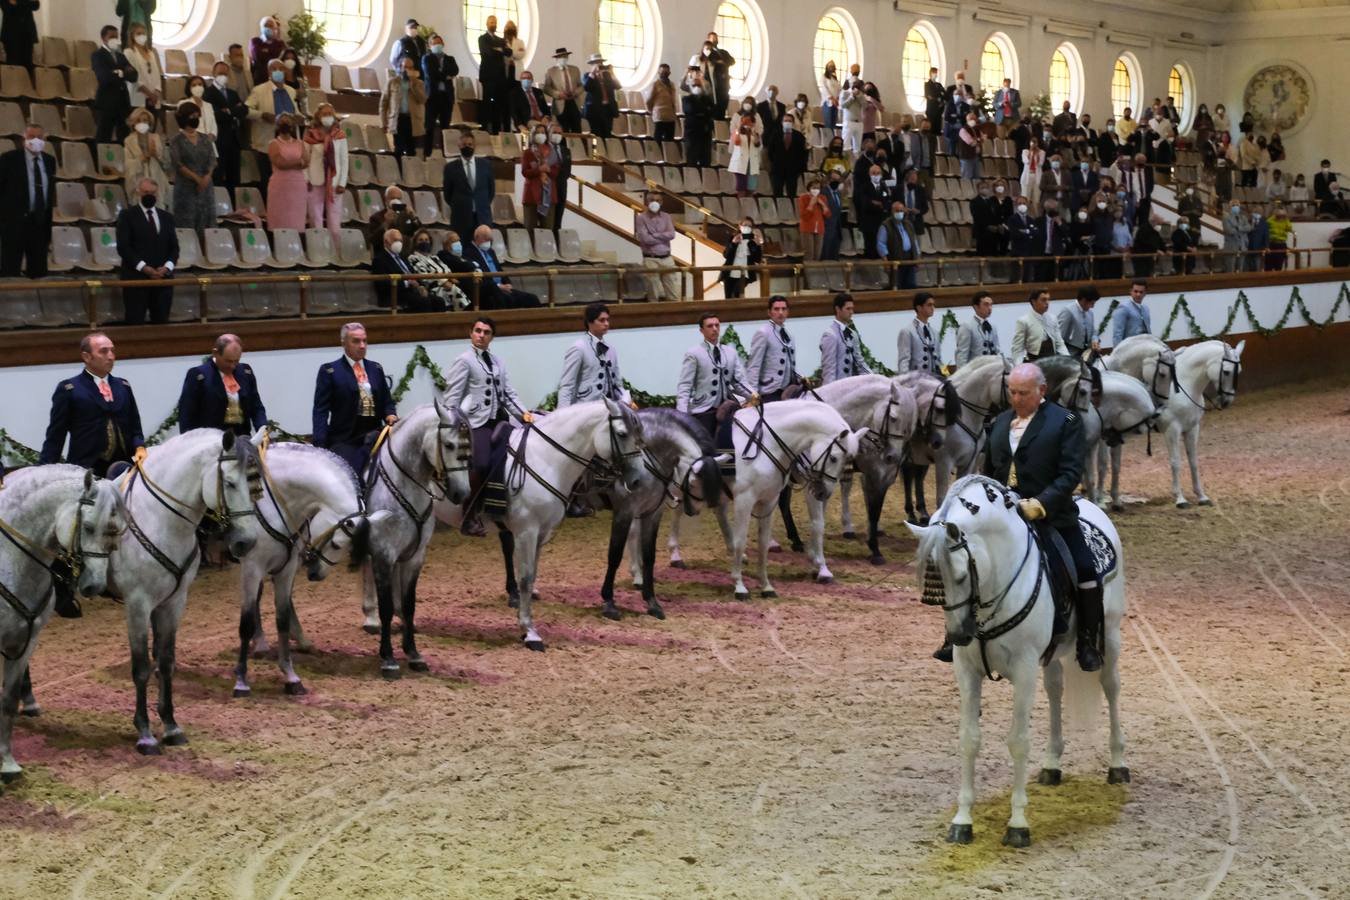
1248,159
295,79
1056,183
1108,145
1222,125
1258,242
1224,163
602,91
493,54
28,193
986,224
1236,227
563,155
1033,167
716,67
1103,220
1020,135
148,244
1203,126
835,160
1276,146
241,74
149,81
1022,236
915,197
529,106
1147,247
1085,183
746,140
112,101
915,146
424,260
403,108
934,98
828,88
744,251
1121,240
834,224
1322,182
787,160
516,51
270,100
438,80
1065,121
960,101
496,291
968,148
265,47
410,45
698,124
800,114
813,212
206,114
1081,239
287,188
1126,126
1335,206
661,104
539,172
326,174
193,160
133,12
897,242
1007,107
1278,188
410,296
851,107
654,231
1185,239
146,156
229,113
1247,125
562,85
872,110
396,215
1280,230
18,32
1191,207
870,202
469,187
1299,197
1262,163
452,254
771,112
1052,240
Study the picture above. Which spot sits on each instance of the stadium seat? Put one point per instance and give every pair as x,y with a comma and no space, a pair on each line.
368,203
435,173
71,200
287,251
189,250
367,80
220,250
325,297
354,249
203,62
223,206
62,307
427,207
14,82
254,248
55,52
414,172
376,140
767,211
545,246
518,249
569,246
341,80
359,170
68,250
248,167
387,170
319,250
223,302
21,309
83,85
270,300
504,210
348,206
499,244
49,117
247,198
104,242
12,120
50,84
80,125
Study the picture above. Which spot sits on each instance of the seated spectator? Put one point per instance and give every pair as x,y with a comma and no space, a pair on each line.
396,215
1191,207
26,227
410,296
403,109
452,254
149,75
1333,206
529,106
1281,229
193,158
146,155
1185,239
19,32
496,290
424,260
295,79
265,47
115,74
288,186
745,250
835,160
1299,195
812,212
539,167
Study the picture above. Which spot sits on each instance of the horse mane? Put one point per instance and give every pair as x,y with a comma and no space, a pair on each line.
22,484
326,456
975,369
710,474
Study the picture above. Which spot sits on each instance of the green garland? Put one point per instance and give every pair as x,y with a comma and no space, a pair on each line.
1243,304
420,360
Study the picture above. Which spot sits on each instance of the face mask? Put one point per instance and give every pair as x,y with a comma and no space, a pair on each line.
114,44
999,189
801,104
197,90
1120,195
1111,129
834,182
485,245
970,123
960,81
1236,209
1101,206
222,81
706,51
278,76
36,145
1055,166
541,138
1082,216
142,127
456,248
1326,168
466,152
555,138
747,107
396,247
424,246
327,121
149,200
745,230
815,192
1022,209
696,90
1256,217
876,180
654,206
773,95
881,160
1185,226
140,39
1084,167
268,34
1045,136
290,64
526,84
899,217
437,49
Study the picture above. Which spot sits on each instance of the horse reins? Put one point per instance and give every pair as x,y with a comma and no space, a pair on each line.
811,472
603,471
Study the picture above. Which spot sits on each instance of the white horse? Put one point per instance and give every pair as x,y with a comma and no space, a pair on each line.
999,616
545,459
58,526
204,473
1126,408
804,441
423,458
948,437
311,515
1148,359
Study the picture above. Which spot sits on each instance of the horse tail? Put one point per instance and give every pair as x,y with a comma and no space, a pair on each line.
710,480
1082,698
360,548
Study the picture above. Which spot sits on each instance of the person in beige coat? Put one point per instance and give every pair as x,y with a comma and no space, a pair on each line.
265,103
562,86
662,104
403,109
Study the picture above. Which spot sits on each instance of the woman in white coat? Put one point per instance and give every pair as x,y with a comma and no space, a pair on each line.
327,171
746,140
1033,166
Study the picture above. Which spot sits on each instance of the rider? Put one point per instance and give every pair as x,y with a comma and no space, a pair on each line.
351,401
710,375
773,357
1036,448
840,346
97,410
222,392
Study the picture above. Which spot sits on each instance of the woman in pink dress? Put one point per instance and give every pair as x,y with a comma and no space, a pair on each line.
288,189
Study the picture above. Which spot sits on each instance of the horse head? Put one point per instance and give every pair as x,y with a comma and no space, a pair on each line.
89,530
618,441
899,419
1223,375
232,489
448,448
335,534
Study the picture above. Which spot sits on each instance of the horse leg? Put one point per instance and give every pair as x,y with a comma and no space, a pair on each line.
845,513
411,571
1117,453
1119,772
620,528
907,476
1174,457
302,642
138,627
650,526
1090,472
283,593
920,504
250,626
527,561
816,508
874,493
740,535
1192,438
789,524
16,673
29,704
369,600
635,532
384,592
673,541
165,618
508,544
1054,692
765,532
969,678
1019,745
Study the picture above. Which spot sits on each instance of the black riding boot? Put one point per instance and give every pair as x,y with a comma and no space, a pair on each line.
943,653
1090,615
472,524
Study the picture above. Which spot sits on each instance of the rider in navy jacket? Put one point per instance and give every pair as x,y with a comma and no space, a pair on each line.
101,431
338,421
204,402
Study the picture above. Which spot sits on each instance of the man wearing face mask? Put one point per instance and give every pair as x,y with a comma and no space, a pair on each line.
495,290
403,107
787,159
698,123
409,45
771,111
968,147
661,105
832,239
438,74
493,53
1108,145
654,231
529,106
1056,184
469,188
1236,227
270,99
1322,182
231,114
562,85
264,47
28,196
602,96
897,242
411,296
148,245
1185,240
112,102
871,201
1023,238
716,67
934,98
986,222
1084,184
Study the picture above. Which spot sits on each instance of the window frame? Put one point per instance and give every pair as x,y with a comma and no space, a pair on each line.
936,58
1011,69
526,19
1074,64
751,80
1186,104
648,47
1134,70
852,39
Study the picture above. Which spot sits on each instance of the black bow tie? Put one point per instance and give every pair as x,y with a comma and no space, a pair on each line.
783,335
487,359
601,348
986,327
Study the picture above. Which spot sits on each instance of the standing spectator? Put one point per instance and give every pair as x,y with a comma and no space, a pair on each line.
871,201
148,245
934,98
515,47
1082,238
265,47
112,101
1108,145
230,114
287,189
1191,207
134,12
270,100
438,80
1003,198
562,86
1224,163
1033,166
986,222
834,222
206,113
1064,122
872,111
28,195
968,148
1085,183
1203,126
954,111
897,242
1248,159
813,212
1103,220
915,197
1056,184
1021,139
562,155
1262,163
529,106
1276,146
469,188
1299,196
602,90
698,124
1278,188
1222,124
1126,126
149,82
493,54
241,74
326,173
403,108
1236,227
745,251
771,112
828,87
424,260
18,32
193,158
800,114
1022,235
787,160
917,152
746,140
851,106
717,65
539,171
410,44
1280,230
661,100
654,231
146,156
1007,107
295,79
835,160
1258,242
1147,247
1322,182
1052,240
1248,124
1185,238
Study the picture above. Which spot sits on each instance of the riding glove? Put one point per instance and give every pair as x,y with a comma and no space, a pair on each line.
1031,509
139,455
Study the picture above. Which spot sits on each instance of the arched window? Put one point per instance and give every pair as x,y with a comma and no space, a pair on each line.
622,38
1066,78
1125,85
998,61
355,29
1180,90
923,51
837,39
740,32
182,23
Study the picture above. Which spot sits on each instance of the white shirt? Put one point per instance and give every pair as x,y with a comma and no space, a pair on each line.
1019,427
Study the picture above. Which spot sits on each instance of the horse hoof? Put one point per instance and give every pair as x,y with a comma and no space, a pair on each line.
849,535
177,739
656,612
1017,837
960,834
1117,507
242,692
742,595
1183,504
1052,777
295,689
769,595
678,564
824,579
877,559
390,672
304,646
11,777
798,547
611,612
1204,501
513,601
370,629
31,711
148,748
536,646
418,664
1118,775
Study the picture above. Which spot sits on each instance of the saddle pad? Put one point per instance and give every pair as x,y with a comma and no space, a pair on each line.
1103,553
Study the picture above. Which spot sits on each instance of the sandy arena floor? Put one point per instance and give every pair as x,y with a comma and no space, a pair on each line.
803,747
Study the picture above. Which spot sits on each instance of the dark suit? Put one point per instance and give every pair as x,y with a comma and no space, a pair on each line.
469,207
834,225
412,296
1084,186
719,62
771,121
438,74
101,432
19,33
492,55
935,100
1024,239
231,114
521,113
564,176
112,102
140,242
416,47
871,206
491,295
602,104
26,226
787,161
203,402
986,219
338,423
698,129
915,198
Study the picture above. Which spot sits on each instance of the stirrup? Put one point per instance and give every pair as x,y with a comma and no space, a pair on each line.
943,653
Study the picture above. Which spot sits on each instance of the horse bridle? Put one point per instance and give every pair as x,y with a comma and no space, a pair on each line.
603,471
800,471
463,458
1227,365
287,538
685,497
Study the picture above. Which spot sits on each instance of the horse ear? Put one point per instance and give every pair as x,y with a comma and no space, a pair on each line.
724,459
1238,349
855,440
88,479
227,441
919,530
379,515
953,532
